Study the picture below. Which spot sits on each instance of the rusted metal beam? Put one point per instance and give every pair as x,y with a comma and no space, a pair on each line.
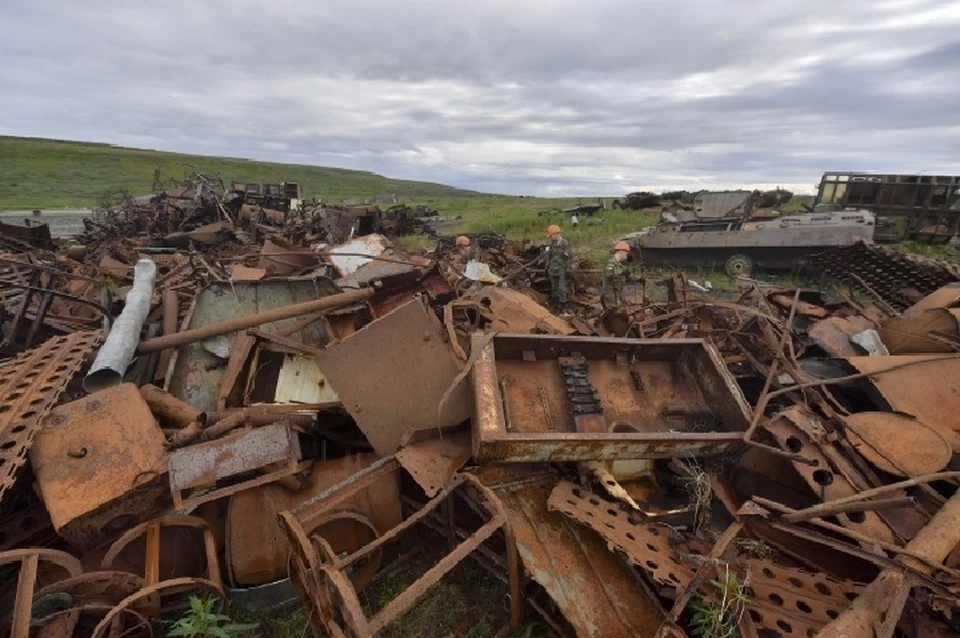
168,407
250,321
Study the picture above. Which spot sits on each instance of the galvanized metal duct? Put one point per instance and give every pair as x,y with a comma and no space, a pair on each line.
121,344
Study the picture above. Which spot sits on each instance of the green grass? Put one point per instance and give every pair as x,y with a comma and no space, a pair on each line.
40,173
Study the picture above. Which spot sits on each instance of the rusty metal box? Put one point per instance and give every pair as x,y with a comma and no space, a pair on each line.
101,465
557,398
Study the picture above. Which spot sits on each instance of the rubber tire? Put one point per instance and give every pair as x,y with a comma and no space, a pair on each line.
738,265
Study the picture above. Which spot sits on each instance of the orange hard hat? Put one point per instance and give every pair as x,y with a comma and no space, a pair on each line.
463,240
552,230
621,245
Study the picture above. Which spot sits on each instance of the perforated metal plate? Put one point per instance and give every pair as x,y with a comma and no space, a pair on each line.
29,388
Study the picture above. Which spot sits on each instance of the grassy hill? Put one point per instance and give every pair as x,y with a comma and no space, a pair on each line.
41,173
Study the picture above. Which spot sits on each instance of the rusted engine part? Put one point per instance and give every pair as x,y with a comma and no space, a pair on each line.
324,579
885,597
433,456
197,371
884,274
256,550
408,346
76,605
30,561
29,387
673,396
830,475
593,588
514,312
118,348
198,468
101,465
787,600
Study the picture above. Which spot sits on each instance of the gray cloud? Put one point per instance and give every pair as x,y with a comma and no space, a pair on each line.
546,97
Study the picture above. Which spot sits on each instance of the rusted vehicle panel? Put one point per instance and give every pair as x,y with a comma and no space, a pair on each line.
786,600
255,547
415,366
34,234
593,588
101,465
198,368
627,399
739,244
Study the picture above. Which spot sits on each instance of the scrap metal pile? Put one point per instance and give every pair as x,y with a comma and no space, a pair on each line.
271,416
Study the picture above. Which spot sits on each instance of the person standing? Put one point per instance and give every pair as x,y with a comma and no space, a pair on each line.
559,264
615,278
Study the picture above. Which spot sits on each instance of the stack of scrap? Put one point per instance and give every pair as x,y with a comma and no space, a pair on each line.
289,410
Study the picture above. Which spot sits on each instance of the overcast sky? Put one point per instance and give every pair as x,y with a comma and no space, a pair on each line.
539,97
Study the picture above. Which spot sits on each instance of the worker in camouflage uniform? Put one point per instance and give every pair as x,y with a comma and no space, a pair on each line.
615,278
559,264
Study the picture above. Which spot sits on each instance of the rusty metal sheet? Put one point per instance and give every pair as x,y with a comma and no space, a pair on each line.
392,374
912,335
433,462
515,312
898,444
792,429
243,451
834,334
29,387
594,589
101,465
786,600
198,368
255,547
650,399
946,297
927,391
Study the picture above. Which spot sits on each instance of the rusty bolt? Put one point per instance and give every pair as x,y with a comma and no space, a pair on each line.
77,453
426,336
92,406
59,419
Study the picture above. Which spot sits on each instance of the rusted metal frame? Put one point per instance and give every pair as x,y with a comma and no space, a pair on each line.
686,592
168,407
306,322
73,298
49,269
181,503
33,285
854,535
243,344
29,560
816,510
410,521
156,591
410,596
451,331
772,373
895,610
343,491
862,506
39,317
284,342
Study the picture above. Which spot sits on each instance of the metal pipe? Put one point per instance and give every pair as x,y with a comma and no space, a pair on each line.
118,350
846,508
171,312
250,321
171,409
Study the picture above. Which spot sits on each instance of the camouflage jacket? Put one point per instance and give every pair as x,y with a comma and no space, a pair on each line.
614,279
559,257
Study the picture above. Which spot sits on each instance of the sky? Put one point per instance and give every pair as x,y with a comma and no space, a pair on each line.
533,97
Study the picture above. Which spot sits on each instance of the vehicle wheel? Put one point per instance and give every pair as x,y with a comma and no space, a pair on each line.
739,266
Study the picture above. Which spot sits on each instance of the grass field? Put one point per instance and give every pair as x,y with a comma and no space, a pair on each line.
38,173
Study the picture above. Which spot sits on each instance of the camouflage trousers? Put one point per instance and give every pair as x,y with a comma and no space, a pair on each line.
558,289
